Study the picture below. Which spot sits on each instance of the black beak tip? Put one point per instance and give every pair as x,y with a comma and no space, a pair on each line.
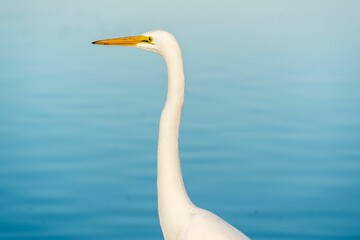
94,42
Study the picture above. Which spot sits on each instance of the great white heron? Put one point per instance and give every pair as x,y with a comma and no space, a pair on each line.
180,219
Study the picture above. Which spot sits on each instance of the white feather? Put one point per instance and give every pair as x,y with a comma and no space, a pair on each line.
180,219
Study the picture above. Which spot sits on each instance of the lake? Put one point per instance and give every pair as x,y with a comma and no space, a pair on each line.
270,132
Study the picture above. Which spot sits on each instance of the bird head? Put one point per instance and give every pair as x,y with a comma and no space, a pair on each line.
158,41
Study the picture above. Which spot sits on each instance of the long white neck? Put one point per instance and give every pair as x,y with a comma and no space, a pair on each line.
173,201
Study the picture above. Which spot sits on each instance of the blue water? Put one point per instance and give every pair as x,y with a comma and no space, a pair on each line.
270,135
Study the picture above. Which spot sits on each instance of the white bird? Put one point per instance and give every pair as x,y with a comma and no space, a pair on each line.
180,219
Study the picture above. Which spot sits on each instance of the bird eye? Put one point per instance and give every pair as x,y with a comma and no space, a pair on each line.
150,39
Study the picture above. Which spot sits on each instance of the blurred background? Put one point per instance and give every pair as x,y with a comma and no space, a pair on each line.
270,135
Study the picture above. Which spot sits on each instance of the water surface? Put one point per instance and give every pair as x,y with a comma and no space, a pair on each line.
270,135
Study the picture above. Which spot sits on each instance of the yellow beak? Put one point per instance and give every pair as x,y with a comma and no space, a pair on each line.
125,41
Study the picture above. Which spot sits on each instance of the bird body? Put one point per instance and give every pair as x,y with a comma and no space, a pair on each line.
180,219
